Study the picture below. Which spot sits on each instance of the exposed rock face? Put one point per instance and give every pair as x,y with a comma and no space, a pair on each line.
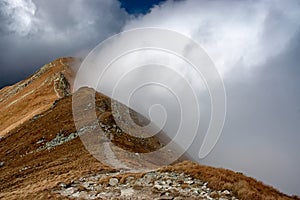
61,85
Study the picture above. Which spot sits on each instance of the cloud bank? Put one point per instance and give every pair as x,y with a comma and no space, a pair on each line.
233,33
255,46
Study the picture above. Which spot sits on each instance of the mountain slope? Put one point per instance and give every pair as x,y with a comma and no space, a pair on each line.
35,94
43,157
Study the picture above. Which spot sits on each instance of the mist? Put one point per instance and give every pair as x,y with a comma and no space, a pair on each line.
255,47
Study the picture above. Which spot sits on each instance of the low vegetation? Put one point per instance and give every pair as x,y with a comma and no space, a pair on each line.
245,188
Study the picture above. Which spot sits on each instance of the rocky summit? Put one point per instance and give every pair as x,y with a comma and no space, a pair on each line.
43,154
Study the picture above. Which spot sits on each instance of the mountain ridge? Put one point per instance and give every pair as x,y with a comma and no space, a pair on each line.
42,156
35,94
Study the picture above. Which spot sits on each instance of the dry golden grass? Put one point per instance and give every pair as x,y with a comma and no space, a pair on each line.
20,102
46,168
63,163
121,177
245,188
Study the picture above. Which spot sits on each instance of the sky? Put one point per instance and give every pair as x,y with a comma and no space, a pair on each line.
137,7
255,46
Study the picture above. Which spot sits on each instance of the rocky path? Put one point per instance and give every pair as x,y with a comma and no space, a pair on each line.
151,185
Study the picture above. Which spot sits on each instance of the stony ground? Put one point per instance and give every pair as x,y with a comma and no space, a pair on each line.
150,185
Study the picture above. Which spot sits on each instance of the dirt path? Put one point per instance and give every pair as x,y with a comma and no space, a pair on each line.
111,159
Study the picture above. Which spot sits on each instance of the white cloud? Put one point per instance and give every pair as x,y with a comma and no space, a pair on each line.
233,33
21,13
255,46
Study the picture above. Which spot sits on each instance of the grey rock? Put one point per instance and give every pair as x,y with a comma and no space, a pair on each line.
168,182
127,192
63,185
166,186
76,194
178,198
113,181
83,195
226,192
189,182
71,189
88,185
156,186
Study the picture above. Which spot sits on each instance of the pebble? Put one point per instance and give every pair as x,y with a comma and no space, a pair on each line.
113,181
226,192
76,194
63,185
159,187
127,192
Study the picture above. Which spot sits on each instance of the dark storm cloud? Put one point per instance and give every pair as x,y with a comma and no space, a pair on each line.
36,32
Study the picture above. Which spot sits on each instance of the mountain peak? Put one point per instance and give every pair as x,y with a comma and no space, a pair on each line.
35,94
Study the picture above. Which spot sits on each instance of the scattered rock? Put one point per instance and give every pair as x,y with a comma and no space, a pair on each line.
62,138
63,185
40,141
226,192
24,168
35,117
178,198
152,185
159,187
127,192
113,181
2,164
